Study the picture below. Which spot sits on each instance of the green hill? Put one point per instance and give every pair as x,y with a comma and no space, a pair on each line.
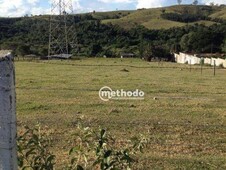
221,13
96,37
111,14
152,19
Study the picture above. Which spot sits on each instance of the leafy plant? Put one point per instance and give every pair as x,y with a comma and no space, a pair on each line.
100,151
110,158
80,154
33,150
92,150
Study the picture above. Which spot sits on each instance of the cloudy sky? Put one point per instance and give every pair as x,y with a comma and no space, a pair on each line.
15,8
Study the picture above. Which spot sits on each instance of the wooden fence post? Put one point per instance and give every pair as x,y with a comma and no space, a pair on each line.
8,152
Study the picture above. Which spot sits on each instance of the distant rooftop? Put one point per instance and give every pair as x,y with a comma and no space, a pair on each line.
61,56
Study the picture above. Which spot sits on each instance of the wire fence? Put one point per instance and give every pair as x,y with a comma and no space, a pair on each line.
158,66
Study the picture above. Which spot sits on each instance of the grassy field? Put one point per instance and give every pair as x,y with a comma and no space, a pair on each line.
186,123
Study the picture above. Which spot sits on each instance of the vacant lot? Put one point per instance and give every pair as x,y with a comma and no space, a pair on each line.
186,123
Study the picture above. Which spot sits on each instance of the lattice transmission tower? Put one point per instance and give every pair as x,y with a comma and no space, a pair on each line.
62,33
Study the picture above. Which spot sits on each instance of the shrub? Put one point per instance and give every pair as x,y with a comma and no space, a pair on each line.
103,153
33,150
92,151
183,17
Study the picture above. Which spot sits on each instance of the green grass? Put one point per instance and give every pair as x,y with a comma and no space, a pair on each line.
186,124
151,18
221,13
111,14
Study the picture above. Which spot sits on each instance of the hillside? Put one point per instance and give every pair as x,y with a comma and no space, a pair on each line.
221,13
116,32
151,18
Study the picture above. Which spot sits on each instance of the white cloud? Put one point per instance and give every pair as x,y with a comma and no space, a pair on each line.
207,2
150,3
140,3
17,8
33,2
77,7
116,1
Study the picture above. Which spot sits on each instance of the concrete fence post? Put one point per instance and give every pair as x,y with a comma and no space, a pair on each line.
8,152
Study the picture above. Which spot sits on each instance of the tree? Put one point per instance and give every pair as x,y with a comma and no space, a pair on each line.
212,4
195,2
179,2
148,54
94,49
163,10
22,50
156,52
224,46
185,42
43,52
141,46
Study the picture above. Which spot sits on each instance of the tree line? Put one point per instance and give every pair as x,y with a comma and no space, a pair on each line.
30,35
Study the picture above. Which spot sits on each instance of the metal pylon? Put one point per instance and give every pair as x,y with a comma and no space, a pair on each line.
62,34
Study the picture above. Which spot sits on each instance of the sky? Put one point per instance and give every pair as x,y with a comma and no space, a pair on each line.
17,8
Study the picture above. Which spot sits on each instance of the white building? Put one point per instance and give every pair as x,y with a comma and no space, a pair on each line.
184,58
187,59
